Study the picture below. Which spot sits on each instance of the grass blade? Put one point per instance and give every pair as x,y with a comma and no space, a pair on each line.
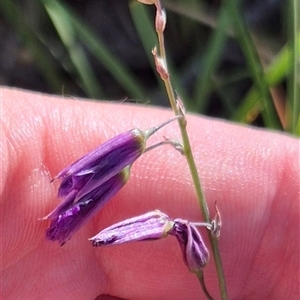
269,113
42,56
65,28
212,57
275,73
119,71
293,107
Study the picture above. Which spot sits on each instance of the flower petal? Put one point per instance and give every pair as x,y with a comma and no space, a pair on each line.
149,226
70,220
102,163
195,254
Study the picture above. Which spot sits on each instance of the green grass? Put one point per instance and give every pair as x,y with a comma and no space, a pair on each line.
201,34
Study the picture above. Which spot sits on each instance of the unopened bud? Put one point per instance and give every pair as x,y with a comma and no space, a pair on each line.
216,223
150,226
195,254
161,66
160,20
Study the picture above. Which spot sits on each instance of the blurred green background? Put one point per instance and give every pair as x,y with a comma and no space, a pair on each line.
237,60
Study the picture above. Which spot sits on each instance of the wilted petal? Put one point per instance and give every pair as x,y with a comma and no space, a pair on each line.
195,253
150,226
72,218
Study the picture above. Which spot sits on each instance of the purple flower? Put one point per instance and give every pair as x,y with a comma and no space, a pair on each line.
65,223
195,254
150,226
96,167
99,165
102,163
91,181
155,225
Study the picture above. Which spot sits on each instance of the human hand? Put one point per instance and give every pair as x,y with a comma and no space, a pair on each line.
252,174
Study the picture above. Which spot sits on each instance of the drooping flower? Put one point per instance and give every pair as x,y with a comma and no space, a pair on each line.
91,181
102,163
155,225
195,254
99,165
150,226
64,224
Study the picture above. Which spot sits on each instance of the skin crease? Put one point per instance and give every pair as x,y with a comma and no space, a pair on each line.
252,174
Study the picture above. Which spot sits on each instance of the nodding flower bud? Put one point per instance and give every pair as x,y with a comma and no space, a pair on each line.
98,166
161,65
195,254
160,20
102,163
96,177
63,225
155,225
150,226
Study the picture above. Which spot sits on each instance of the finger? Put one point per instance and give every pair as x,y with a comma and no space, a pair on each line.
245,170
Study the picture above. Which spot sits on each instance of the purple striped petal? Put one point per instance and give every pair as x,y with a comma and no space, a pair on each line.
102,163
84,181
65,224
150,226
155,225
195,254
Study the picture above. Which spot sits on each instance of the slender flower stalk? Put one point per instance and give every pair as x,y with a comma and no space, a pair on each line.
162,68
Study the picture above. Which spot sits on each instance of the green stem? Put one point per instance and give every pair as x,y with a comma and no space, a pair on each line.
200,277
192,166
293,105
